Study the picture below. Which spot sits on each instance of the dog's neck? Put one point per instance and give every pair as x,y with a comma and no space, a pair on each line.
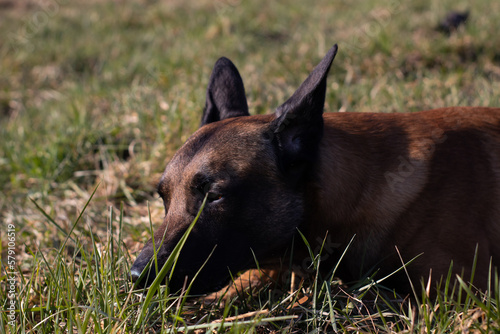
365,179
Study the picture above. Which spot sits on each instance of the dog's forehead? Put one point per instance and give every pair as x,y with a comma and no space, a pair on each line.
229,145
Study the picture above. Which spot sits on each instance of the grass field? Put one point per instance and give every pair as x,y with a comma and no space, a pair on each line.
96,96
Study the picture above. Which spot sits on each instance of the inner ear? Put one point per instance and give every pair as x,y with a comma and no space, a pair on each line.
225,93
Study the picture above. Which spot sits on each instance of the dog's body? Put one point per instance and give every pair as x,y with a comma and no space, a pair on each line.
427,183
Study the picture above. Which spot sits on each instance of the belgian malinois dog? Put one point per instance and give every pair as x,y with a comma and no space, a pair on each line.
422,186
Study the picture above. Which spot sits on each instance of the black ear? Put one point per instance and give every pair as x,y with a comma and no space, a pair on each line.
298,127
225,93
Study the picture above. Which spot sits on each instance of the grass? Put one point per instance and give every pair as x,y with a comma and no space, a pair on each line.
98,95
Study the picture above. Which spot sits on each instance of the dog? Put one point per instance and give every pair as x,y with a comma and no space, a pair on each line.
380,189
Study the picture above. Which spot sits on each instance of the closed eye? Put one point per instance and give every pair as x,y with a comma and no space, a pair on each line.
214,197
206,188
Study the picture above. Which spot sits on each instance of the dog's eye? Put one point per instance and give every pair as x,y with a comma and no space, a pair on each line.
206,188
214,197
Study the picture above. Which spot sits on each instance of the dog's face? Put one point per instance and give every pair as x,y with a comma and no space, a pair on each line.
251,169
244,210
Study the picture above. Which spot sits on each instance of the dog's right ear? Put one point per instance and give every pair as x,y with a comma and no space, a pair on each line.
225,93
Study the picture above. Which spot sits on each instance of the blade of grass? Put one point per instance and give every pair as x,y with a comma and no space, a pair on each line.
49,218
169,263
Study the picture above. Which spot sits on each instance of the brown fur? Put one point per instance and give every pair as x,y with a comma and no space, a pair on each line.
427,182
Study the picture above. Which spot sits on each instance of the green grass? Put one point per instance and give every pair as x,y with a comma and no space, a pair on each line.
104,92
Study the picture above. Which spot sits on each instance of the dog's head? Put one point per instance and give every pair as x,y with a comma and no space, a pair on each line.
252,171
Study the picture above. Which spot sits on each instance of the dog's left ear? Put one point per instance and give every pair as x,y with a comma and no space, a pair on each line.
298,126
225,93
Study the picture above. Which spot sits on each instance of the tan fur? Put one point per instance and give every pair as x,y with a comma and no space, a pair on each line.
373,173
